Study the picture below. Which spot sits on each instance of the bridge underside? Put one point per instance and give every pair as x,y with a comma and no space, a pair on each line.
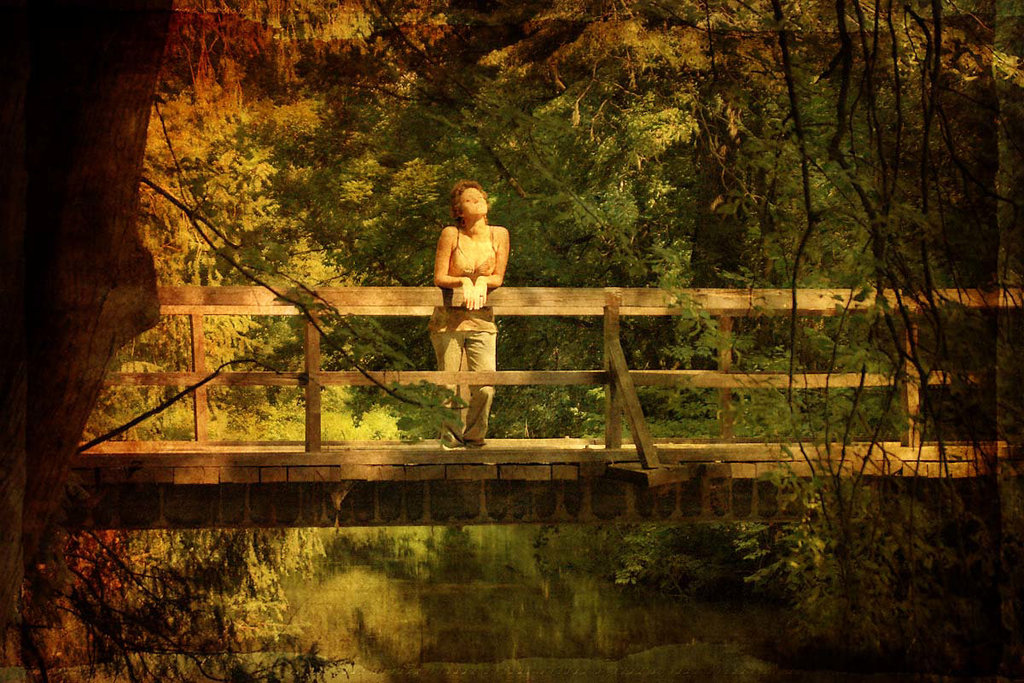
369,503
378,485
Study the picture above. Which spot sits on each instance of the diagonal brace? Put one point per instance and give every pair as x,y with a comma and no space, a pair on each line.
631,404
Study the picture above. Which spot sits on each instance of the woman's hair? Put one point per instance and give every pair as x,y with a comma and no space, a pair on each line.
456,195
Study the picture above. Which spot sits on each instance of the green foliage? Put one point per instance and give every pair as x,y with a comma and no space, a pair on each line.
895,579
681,562
623,144
692,561
177,606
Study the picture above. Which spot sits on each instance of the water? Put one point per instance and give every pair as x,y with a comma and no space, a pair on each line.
492,604
524,603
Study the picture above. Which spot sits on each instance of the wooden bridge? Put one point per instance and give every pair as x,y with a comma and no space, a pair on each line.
142,484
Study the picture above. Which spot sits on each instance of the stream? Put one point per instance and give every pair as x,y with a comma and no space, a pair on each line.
488,604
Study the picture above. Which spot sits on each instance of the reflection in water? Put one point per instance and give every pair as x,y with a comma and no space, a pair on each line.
479,603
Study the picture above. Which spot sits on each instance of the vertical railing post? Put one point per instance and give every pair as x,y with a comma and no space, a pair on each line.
725,365
612,399
911,390
200,399
312,354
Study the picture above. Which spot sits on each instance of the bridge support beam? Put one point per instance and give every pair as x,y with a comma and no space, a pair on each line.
705,497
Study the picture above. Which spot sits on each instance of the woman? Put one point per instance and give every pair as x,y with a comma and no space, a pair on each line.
471,258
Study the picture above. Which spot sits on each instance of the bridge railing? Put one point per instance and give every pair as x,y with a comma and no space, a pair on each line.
725,305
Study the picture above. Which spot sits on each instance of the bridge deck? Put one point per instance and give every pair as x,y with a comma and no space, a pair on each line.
509,459
145,485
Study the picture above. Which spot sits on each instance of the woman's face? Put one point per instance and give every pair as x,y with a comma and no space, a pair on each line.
472,204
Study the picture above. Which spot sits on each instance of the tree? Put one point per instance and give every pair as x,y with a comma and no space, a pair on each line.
86,284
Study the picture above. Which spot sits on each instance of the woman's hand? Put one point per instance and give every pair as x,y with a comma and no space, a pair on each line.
481,291
475,295
471,299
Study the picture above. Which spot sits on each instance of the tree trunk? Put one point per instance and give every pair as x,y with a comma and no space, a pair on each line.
90,285
13,180
1009,40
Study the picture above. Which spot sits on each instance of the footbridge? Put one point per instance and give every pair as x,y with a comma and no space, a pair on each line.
624,474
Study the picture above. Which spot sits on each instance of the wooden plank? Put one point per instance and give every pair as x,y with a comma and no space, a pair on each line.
347,299
717,470
241,309
743,470
697,379
273,475
911,389
798,469
651,477
591,470
190,295
641,436
355,378
358,464
184,453
127,448
722,452
311,345
390,473
383,456
239,475
424,472
363,472
186,378
801,469
725,420
313,474
565,472
525,472
470,472
420,301
200,401
716,379
575,301
355,458
612,400
427,446
196,475
136,475
112,475
950,451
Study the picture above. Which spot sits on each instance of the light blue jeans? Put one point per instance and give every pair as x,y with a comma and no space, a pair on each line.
480,351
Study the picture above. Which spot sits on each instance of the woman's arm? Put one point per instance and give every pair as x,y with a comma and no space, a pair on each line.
443,257
494,280
442,261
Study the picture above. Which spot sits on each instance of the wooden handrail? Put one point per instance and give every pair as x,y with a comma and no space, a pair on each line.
687,379
611,303
557,301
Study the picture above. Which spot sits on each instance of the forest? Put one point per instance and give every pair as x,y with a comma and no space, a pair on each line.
303,144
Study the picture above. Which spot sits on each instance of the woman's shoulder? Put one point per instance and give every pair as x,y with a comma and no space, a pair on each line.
500,231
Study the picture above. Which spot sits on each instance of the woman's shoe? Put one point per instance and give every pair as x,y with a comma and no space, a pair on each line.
450,440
